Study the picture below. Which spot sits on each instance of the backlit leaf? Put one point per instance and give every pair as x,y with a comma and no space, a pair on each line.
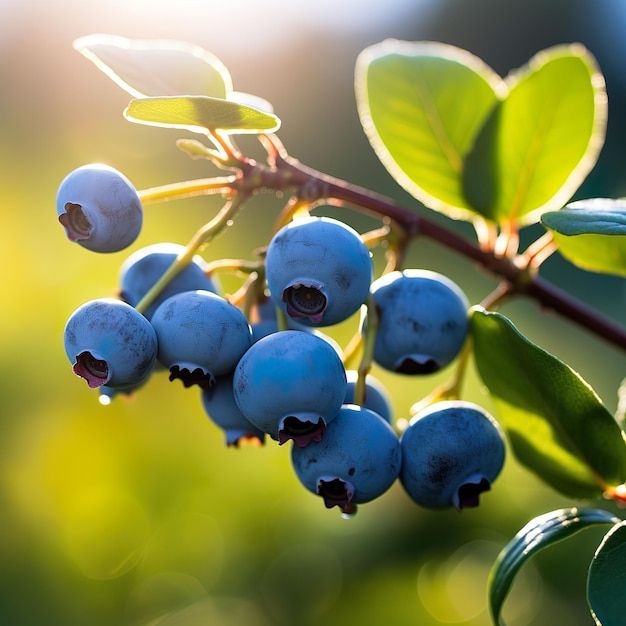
556,424
539,533
421,105
541,141
157,67
201,113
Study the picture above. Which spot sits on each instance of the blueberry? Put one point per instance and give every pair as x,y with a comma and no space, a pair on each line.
264,321
377,398
318,270
201,336
290,384
219,404
422,323
357,460
99,208
110,343
144,267
452,451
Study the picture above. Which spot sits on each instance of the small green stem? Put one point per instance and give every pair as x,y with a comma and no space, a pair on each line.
187,189
367,358
232,265
201,238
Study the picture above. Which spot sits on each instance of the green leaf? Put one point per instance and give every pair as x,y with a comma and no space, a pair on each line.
606,580
157,67
556,424
539,533
541,141
599,216
201,113
590,233
421,105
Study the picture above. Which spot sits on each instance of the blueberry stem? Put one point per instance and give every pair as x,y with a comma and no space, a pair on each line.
201,238
367,358
187,189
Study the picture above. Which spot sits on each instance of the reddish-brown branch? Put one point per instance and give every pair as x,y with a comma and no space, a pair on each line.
321,186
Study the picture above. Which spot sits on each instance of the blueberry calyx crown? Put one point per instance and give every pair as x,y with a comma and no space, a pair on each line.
77,225
417,364
192,376
467,495
306,300
301,430
336,492
94,370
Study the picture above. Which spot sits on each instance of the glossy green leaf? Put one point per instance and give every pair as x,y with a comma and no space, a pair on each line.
201,113
556,424
591,234
541,141
539,533
606,580
157,67
421,105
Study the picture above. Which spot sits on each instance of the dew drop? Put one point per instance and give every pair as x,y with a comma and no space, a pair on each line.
349,511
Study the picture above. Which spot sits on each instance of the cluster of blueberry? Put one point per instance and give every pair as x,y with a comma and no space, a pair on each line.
273,372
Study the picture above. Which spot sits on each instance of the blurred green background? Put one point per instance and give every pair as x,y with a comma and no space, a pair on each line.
136,513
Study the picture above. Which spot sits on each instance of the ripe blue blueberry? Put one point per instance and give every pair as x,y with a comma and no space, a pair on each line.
422,323
318,270
110,343
377,397
99,208
219,404
141,270
201,336
357,460
290,384
452,451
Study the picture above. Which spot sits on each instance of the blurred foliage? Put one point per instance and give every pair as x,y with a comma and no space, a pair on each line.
136,513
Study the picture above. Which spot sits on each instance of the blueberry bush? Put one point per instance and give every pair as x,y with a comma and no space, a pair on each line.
498,154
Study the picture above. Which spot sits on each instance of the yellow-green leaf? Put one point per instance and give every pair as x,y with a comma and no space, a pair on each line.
541,141
421,105
201,113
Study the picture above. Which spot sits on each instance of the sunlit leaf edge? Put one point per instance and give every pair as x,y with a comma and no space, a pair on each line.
409,48
536,535
597,480
605,548
596,141
84,45
254,121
